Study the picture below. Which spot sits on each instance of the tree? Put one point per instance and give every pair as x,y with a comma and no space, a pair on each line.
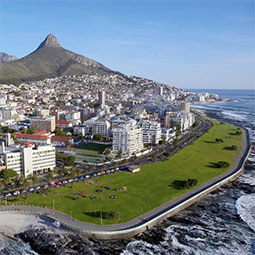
68,144
49,176
26,185
119,154
69,161
17,182
60,132
91,167
107,151
175,142
34,179
98,137
77,172
31,131
8,174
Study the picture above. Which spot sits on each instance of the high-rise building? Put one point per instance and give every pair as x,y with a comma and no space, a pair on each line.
101,97
185,107
160,91
151,132
127,138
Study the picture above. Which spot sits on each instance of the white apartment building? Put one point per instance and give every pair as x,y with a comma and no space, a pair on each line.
127,138
74,117
28,160
98,126
8,113
151,132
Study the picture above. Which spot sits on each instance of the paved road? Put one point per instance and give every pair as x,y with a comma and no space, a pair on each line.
146,217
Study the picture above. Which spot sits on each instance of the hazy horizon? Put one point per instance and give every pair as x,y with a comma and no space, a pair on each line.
186,44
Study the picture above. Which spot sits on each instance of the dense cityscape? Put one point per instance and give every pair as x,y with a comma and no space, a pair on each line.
127,113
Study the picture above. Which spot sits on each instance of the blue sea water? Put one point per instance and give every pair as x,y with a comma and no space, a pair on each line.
221,224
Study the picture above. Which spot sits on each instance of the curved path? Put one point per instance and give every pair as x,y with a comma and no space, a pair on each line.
148,219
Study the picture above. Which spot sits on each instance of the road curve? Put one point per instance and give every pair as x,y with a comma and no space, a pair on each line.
146,220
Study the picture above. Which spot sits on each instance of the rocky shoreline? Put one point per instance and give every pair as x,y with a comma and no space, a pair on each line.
49,240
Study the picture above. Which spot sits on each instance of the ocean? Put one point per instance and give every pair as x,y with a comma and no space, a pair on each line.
223,223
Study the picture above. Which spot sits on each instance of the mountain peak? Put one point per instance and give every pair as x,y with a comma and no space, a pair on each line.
50,41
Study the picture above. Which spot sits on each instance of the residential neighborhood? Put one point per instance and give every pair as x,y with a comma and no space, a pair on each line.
131,115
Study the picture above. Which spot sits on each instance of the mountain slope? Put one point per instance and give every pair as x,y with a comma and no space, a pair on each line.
49,60
6,58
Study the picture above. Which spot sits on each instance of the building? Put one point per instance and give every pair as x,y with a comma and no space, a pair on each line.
101,97
28,160
8,113
43,124
63,124
160,91
127,138
61,141
41,137
151,132
74,117
185,107
98,126
80,130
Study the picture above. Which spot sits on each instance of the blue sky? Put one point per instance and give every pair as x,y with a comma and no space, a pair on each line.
185,43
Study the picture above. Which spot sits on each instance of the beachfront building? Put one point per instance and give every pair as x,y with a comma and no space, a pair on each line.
151,132
127,138
98,126
28,160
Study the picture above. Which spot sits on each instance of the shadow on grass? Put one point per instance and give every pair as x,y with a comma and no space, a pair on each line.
213,165
96,214
219,164
177,184
209,142
230,148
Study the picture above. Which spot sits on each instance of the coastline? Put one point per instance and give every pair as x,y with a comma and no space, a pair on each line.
140,224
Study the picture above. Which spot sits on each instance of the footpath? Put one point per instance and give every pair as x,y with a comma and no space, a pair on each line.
146,220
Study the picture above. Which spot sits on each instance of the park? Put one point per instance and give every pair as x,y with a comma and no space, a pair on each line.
120,197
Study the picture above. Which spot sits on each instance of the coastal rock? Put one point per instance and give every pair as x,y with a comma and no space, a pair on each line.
50,241
153,236
55,242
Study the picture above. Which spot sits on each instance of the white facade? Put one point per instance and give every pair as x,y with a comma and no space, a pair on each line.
151,132
74,117
8,113
98,126
28,160
127,138
80,130
13,160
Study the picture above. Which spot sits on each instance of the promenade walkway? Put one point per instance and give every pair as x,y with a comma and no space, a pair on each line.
144,220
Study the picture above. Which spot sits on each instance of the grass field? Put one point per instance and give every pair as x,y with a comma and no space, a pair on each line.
148,188
92,152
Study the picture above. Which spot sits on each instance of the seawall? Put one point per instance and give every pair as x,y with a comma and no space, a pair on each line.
149,219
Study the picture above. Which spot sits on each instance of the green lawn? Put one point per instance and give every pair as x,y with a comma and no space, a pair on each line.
92,152
148,188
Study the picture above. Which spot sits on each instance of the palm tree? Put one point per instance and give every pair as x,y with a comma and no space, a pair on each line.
71,175
26,184
17,182
50,176
34,179
77,172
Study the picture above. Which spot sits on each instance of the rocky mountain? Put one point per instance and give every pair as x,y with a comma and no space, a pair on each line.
6,58
49,60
